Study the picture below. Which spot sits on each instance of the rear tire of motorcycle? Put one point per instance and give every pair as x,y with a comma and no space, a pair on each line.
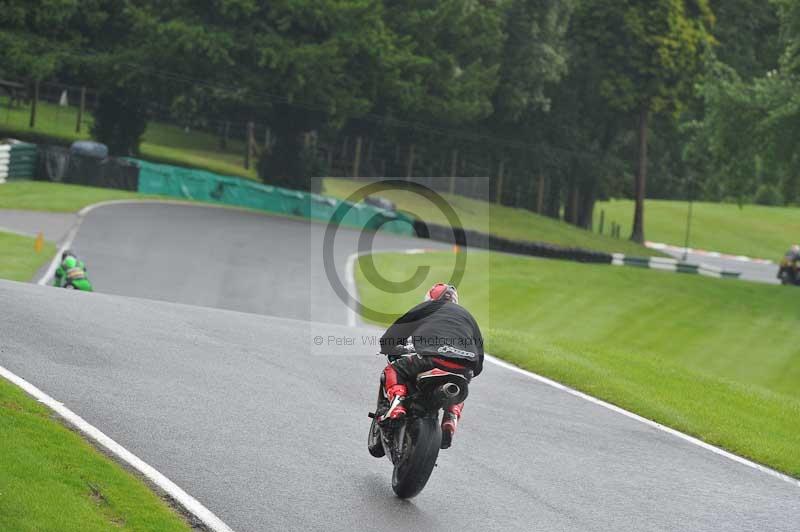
412,474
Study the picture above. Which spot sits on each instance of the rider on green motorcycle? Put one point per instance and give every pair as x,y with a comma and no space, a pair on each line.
71,273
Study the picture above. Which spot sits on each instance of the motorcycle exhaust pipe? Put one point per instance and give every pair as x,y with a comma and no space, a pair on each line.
451,390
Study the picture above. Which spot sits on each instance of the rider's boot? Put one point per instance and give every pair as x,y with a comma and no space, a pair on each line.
449,424
395,392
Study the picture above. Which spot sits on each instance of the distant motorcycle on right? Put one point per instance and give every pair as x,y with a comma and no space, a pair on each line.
789,271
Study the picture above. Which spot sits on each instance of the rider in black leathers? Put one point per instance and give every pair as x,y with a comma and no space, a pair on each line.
445,336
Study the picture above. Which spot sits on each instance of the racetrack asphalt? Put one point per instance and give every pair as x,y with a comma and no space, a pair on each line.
53,225
242,411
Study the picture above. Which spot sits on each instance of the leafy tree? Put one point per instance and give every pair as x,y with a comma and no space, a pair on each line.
649,53
535,55
752,125
748,32
36,34
450,52
120,119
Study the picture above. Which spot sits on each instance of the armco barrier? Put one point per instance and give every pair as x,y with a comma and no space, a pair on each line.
476,239
673,265
200,185
61,165
470,238
17,161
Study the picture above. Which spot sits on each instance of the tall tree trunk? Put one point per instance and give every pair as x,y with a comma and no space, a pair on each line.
568,203
553,199
637,235
586,205
540,195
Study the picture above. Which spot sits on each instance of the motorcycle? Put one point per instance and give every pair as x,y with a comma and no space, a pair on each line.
788,272
412,442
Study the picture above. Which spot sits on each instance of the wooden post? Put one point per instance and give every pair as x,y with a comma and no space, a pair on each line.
498,195
540,195
453,166
602,220
410,162
34,102
249,145
357,159
81,109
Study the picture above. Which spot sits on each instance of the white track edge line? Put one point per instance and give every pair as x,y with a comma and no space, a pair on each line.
614,408
350,279
188,502
691,439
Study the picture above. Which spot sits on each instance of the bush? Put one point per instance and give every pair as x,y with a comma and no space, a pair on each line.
120,120
768,195
290,165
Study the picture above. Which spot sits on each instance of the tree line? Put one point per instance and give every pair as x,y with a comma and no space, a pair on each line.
595,98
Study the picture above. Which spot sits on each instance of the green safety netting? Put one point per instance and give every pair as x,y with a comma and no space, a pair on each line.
206,186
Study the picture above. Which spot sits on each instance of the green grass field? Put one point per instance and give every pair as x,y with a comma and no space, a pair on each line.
51,479
19,261
717,359
515,224
162,142
752,230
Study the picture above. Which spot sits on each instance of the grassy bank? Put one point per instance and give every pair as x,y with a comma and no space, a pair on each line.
51,479
57,197
19,261
752,230
717,359
507,222
161,142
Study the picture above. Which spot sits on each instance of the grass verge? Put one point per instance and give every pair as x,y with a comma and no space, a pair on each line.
507,222
752,230
51,479
19,261
58,197
717,359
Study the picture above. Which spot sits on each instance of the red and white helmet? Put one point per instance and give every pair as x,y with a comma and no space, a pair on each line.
442,291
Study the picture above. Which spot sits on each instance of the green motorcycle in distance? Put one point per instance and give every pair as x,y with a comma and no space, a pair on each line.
71,273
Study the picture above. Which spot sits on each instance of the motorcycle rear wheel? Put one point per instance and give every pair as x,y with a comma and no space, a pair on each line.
411,473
